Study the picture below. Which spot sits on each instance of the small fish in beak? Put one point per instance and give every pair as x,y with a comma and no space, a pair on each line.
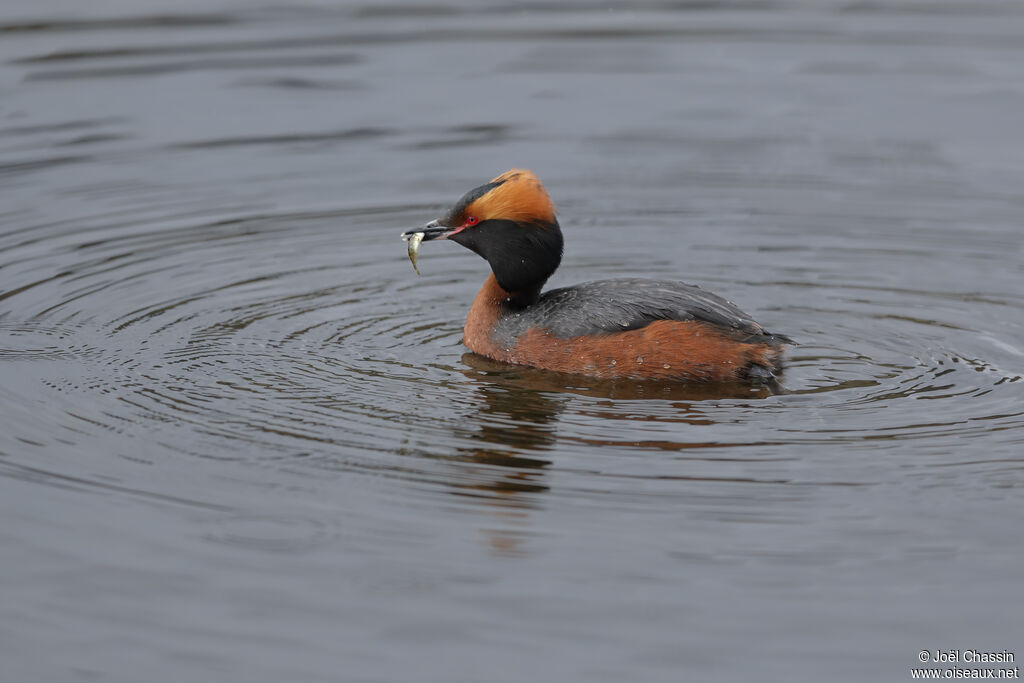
413,241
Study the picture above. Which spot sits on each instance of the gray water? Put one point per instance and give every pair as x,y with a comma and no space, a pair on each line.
241,439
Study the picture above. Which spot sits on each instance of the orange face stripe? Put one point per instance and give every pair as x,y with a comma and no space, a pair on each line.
521,197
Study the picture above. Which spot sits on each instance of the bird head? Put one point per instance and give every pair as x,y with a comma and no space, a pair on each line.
509,221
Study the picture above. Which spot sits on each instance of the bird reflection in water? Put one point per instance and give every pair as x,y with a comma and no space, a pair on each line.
513,431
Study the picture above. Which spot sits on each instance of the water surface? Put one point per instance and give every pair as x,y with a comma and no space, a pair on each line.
241,440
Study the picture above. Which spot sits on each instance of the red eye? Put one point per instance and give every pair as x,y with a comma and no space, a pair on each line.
470,220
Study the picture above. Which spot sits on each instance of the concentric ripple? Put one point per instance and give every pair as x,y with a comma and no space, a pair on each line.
239,433
270,336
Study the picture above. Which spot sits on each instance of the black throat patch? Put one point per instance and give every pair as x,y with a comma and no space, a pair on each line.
522,255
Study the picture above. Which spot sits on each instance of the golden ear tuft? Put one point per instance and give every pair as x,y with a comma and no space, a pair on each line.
519,197
512,173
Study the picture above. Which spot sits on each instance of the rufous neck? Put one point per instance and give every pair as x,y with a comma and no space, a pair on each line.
515,299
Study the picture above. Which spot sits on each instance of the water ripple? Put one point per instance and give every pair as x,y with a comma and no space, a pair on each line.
229,404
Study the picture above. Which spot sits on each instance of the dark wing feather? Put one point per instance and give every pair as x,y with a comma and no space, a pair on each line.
607,306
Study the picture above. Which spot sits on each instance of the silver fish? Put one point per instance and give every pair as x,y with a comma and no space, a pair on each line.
414,248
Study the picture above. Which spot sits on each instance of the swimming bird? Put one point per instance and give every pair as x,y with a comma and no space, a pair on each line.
620,328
